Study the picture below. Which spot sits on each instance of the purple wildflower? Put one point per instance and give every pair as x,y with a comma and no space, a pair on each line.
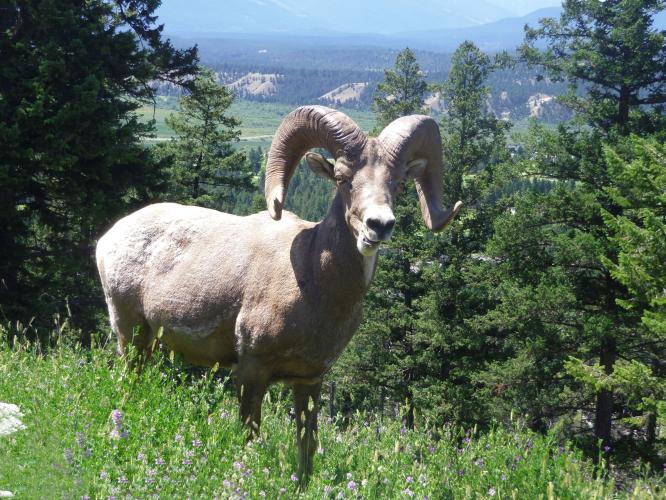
69,456
85,497
80,439
196,443
503,477
431,449
351,485
103,474
151,472
226,483
238,465
266,471
117,418
410,479
224,413
408,492
560,449
140,456
178,438
159,461
294,477
122,479
518,458
349,475
607,448
461,472
187,461
403,431
480,463
189,453
327,489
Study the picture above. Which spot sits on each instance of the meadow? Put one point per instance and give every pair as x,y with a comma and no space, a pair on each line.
95,429
258,120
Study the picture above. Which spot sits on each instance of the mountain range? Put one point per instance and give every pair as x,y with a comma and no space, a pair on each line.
313,17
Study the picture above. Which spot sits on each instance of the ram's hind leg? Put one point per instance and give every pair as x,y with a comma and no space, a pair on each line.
135,337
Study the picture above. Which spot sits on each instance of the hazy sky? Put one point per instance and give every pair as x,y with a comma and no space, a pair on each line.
523,7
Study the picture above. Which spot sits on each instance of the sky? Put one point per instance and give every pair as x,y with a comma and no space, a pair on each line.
523,7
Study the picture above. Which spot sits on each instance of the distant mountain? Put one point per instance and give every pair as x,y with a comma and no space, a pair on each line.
524,7
191,17
499,35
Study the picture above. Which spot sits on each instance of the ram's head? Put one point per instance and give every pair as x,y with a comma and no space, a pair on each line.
369,172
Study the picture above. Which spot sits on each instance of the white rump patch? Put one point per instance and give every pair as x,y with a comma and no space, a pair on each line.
10,419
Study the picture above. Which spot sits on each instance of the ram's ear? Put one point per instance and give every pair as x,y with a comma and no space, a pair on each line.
416,167
320,165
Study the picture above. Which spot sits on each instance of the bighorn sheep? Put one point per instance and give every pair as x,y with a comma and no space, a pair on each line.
274,300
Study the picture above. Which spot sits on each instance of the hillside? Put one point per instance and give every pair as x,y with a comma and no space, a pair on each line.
93,429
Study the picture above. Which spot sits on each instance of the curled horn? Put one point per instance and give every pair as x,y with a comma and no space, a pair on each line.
417,137
303,129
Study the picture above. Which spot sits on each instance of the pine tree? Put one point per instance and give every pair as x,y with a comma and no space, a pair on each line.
613,57
201,156
638,173
402,91
72,160
552,246
379,354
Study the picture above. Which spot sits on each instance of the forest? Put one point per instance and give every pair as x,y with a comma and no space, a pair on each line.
541,307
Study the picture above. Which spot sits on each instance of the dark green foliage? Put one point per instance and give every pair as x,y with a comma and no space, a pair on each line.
402,91
638,173
414,343
612,49
71,157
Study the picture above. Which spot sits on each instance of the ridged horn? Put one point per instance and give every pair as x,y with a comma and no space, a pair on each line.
303,129
417,137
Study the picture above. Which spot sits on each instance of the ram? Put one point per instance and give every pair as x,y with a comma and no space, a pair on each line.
273,296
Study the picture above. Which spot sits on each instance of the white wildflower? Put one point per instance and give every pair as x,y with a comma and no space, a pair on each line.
10,419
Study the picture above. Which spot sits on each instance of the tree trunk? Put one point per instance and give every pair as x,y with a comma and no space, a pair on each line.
604,409
623,107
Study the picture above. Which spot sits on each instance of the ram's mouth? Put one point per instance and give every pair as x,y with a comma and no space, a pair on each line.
367,246
370,243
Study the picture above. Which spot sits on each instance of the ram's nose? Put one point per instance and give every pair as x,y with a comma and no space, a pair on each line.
380,224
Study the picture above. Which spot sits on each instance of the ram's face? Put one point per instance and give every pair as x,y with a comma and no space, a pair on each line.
368,185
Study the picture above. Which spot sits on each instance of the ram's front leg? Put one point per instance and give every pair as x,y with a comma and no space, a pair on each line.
251,383
306,404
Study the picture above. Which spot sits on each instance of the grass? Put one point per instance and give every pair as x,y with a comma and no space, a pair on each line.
95,429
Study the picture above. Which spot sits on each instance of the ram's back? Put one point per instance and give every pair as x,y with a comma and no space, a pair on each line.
190,269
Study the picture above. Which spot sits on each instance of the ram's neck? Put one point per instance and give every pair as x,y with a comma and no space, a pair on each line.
339,262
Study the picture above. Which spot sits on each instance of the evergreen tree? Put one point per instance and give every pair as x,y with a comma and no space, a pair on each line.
638,173
201,156
613,57
402,91
72,161
556,298
413,342
378,356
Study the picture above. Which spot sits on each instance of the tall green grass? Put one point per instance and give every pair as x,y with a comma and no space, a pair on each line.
96,429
